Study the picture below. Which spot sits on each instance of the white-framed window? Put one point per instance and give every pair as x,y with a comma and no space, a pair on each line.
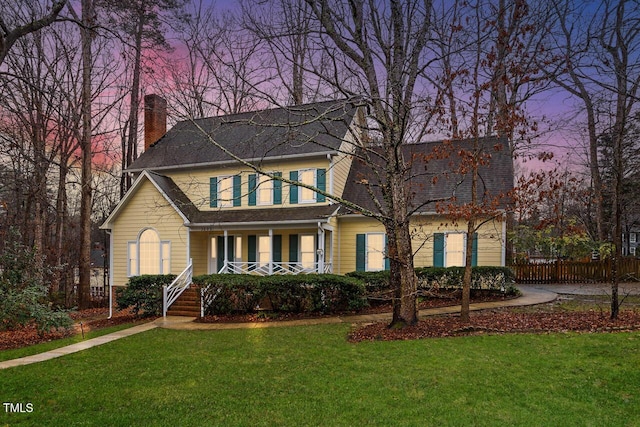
308,177
148,254
263,251
375,252
225,191
454,247
632,237
264,190
371,252
307,258
632,250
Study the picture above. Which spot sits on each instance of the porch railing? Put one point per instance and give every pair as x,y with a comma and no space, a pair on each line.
171,292
242,267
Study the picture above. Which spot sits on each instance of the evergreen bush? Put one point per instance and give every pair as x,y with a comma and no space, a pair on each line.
24,297
144,294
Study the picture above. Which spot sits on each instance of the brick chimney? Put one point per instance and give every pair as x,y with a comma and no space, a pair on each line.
155,119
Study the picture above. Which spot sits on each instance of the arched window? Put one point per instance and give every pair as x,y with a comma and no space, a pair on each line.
148,254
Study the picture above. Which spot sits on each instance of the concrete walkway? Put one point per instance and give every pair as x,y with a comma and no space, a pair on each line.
530,296
74,348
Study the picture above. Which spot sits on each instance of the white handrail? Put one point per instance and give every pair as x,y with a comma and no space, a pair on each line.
172,292
266,269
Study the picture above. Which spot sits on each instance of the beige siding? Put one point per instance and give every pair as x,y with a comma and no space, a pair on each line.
349,227
422,230
195,183
147,209
489,239
200,253
341,164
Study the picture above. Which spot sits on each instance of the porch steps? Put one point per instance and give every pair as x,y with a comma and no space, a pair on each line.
187,304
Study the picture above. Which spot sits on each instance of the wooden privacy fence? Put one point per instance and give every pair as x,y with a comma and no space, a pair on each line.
576,272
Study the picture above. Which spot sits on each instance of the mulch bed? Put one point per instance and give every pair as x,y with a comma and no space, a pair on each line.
500,322
85,320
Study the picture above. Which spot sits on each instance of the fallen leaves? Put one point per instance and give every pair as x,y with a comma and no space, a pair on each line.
501,322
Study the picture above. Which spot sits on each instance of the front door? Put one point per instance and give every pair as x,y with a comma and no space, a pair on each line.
217,252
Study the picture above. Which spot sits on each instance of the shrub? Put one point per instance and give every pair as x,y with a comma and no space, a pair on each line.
229,293
23,294
429,278
288,294
499,279
144,294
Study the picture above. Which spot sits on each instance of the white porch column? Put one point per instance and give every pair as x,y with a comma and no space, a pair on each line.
320,250
270,251
226,250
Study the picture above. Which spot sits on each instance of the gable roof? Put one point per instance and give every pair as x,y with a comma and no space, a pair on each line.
195,218
436,178
165,186
294,131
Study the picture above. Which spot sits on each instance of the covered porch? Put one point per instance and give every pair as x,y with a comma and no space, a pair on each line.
288,245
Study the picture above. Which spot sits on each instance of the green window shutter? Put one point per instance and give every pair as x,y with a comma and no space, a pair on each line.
438,249
277,248
252,247
277,190
321,183
213,192
386,253
361,240
220,254
252,189
474,250
293,189
293,248
237,190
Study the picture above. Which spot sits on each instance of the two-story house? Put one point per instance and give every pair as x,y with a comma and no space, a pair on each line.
193,201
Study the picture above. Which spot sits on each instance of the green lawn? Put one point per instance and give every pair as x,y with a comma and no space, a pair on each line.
311,376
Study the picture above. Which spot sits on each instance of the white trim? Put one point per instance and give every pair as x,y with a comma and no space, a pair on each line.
301,189
110,274
224,202
161,246
208,165
366,250
464,247
269,188
503,238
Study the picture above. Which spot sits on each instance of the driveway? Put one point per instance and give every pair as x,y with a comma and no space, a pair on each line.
591,289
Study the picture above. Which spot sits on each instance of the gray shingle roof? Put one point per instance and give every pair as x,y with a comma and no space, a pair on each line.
293,131
196,217
436,179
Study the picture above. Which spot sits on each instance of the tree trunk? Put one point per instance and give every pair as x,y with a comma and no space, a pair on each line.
84,286
403,278
132,138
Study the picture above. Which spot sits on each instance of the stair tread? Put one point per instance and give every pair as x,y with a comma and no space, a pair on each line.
187,304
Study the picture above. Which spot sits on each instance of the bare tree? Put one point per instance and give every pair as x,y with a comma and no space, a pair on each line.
597,51
222,71
379,52
488,75
286,28
141,27
20,19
